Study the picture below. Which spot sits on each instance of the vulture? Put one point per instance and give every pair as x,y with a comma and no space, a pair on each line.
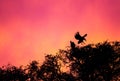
80,38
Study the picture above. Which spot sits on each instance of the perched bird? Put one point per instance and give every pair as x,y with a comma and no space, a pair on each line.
80,38
72,44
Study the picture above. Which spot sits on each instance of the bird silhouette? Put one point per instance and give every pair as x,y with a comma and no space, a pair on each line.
80,38
72,44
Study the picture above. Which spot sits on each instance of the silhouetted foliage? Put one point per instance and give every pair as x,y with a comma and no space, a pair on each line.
50,69
32,70
92,62
12,73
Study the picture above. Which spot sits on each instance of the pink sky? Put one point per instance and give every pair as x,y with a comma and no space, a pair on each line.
29,29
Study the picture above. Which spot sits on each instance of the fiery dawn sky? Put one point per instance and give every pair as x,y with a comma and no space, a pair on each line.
29,29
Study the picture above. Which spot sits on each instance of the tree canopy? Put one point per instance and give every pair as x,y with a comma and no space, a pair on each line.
91,62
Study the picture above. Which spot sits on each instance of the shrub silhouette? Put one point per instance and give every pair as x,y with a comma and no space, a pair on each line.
92,62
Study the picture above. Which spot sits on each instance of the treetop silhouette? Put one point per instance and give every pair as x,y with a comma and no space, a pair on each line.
92,62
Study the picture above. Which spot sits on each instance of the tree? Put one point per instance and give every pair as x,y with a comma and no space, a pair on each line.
94,62
50,69
12,73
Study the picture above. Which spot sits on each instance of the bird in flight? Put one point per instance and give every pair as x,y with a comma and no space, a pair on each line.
80,38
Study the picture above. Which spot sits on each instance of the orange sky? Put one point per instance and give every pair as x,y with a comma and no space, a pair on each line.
29,29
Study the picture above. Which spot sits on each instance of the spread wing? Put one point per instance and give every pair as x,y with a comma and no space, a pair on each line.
85,35
77,36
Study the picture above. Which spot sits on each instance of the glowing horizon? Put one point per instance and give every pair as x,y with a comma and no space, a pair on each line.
31,28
